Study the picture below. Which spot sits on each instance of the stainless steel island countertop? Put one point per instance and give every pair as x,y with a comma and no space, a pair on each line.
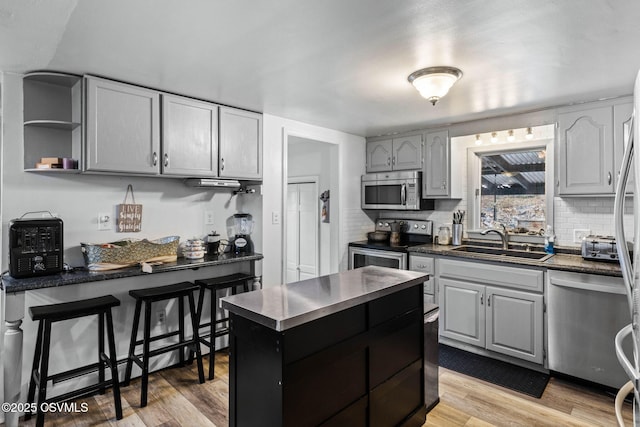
286,306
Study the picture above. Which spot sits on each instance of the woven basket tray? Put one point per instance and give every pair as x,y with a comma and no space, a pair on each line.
127,252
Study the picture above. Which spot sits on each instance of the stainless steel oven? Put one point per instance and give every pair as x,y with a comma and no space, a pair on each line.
393,190
360,257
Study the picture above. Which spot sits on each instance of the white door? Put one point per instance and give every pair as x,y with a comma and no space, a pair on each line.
302,231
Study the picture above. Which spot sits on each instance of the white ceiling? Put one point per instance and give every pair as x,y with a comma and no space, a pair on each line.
340,64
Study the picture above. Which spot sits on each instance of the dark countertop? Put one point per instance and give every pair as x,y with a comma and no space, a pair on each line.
283,307
564,260
82,275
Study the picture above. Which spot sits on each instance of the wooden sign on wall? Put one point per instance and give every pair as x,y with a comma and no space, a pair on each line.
129,215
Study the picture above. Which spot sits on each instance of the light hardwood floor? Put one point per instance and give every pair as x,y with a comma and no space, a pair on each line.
176,399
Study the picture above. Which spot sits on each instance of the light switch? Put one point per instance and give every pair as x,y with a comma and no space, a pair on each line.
275,218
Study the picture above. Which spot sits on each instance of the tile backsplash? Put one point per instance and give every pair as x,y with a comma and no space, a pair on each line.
594,213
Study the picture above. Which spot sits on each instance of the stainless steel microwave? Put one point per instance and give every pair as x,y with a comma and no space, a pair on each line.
399,191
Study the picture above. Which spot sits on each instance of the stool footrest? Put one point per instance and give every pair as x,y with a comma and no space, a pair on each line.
81,392
159,337
74,373
137,358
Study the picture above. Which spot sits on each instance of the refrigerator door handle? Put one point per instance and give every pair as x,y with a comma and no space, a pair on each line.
618,214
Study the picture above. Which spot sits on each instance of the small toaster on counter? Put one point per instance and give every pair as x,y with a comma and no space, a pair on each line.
599,248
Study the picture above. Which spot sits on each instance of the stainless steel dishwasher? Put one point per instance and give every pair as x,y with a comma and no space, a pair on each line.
585,312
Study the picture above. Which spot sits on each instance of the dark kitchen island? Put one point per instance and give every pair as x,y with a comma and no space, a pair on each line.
342,349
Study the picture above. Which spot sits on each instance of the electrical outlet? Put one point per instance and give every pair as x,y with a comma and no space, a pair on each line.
161,315
104,221
579,234
208,217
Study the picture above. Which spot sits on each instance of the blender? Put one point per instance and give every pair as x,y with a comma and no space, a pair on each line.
242,226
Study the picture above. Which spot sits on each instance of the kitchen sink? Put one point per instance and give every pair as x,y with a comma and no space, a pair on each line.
495,253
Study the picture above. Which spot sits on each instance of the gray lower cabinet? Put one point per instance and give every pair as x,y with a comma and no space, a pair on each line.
189,137
240,149
475,311
123,128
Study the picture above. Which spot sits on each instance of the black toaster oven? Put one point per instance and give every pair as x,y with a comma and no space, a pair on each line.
35,247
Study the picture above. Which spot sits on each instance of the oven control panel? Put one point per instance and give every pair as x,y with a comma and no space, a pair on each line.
407,226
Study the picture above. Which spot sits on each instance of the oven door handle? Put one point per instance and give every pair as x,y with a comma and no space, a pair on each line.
403,195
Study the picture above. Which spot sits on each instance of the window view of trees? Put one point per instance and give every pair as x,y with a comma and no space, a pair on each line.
513,191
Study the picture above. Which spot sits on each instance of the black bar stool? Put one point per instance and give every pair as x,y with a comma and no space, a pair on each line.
214,284
47,315
151,295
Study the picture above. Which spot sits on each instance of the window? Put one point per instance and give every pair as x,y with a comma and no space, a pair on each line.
512,190
510,180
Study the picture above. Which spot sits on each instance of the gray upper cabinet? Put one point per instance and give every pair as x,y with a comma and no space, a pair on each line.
379,155
407,153
123,128
240,150
189,137
403,153
436,170
585,152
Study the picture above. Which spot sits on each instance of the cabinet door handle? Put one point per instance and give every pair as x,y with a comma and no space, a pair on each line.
155,158
388,161
489,301
609,178
481,299
221,164
393,160
166,160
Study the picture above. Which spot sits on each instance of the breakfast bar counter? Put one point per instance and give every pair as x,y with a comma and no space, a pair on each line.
80,283
342,349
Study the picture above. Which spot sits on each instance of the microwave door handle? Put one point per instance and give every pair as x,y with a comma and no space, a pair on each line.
403,194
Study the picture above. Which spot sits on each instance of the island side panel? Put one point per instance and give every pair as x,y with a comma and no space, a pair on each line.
255,374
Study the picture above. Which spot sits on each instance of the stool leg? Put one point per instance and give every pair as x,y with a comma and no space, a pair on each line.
34,369
132,344
246,286
101,351
113,362
44,372
196,339
145,353
212,329
181,329
199,319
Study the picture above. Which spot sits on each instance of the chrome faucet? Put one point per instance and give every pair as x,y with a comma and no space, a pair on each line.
504,235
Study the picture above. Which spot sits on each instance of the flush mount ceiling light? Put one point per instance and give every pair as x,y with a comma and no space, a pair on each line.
434,82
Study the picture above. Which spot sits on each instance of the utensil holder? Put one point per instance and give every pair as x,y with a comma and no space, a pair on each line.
456,234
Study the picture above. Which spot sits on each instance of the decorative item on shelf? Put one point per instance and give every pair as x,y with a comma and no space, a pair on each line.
49,163
128,252
129,215
434,82
324,213
68,163
456,237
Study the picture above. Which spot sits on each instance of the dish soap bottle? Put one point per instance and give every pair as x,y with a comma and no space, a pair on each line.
549,240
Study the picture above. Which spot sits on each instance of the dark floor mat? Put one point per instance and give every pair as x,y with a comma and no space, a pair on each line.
494,371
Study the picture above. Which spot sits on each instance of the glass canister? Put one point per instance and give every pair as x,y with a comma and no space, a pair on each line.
444,235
